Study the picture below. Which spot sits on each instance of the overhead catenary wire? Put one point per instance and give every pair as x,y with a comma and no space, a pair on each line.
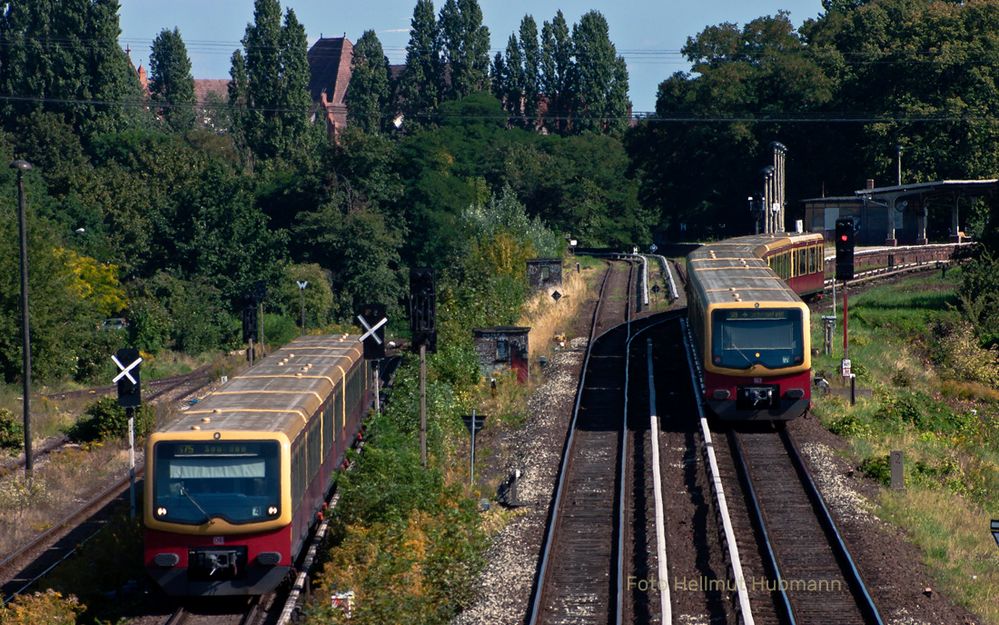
643,116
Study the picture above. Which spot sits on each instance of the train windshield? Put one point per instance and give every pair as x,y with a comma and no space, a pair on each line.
238,481
771,337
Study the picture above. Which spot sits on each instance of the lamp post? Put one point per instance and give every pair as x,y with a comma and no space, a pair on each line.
301,289
21,167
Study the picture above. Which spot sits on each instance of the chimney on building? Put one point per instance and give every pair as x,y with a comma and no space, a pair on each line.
870,183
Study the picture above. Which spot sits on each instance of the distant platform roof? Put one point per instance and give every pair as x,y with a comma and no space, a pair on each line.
966,187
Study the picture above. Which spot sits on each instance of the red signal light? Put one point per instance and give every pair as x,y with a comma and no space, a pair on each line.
843,237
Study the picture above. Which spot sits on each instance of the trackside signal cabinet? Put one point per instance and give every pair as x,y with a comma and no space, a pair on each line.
844,248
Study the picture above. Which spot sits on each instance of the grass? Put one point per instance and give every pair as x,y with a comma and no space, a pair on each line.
908,344
951,539
58,484
548,318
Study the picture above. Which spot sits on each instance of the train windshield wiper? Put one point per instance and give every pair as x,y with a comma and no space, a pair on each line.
741,353
187,493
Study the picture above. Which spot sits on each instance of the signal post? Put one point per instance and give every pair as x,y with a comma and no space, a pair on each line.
845,243
422,319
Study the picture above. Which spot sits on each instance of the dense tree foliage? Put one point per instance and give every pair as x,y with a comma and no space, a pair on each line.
64,57
566,83
419,91
170,81
556,71
269,88
464,43
368,96
841,92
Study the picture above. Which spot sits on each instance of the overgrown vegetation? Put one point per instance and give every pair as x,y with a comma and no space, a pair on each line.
105,420
933,399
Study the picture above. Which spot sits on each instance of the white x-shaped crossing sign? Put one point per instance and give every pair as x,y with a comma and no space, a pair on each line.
370,330
125,371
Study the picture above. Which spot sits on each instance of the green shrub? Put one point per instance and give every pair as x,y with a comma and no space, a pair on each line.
921,411
877,468
11,431
279,329
105,420
849,425
961,358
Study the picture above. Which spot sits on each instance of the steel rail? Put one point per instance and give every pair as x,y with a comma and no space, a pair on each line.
179,617
674,294
67,521
743,606
657,480
657,484
622,467
866,602
757,513
550,524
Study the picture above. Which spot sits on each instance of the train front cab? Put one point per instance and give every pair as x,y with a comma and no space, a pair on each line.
218,521
757,360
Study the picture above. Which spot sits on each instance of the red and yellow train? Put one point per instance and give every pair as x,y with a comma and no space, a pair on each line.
750,328
234,485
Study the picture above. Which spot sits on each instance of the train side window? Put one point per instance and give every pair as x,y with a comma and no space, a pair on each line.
315,448
298,471
328,435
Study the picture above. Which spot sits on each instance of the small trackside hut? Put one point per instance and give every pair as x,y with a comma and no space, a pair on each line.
234,485
750,328
501,348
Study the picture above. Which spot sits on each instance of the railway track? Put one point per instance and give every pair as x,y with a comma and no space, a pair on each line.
35,559
236,611
155,388
576,578
786,560
811,574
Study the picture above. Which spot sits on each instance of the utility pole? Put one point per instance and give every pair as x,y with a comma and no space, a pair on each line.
22,226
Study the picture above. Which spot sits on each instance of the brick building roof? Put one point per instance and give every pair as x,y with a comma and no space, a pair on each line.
329,68
205,86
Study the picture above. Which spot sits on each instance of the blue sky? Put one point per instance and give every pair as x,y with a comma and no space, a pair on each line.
648,33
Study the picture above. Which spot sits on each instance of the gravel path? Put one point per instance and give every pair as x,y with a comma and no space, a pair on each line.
505,584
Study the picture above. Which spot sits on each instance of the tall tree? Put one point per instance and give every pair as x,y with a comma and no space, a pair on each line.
171,83
113,84
600,78
368,96
262,42
464,42
295,102
498,76
274,121
513,90
556,71
531,53
419,91
239,99
64,57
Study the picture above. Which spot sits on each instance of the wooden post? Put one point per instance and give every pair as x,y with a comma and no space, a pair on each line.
423,404
897,471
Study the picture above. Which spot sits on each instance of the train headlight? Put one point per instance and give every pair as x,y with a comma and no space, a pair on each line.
272,510
721,394
161,511
795,393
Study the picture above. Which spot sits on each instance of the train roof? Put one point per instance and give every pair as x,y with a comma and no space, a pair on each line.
734,270
279,393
